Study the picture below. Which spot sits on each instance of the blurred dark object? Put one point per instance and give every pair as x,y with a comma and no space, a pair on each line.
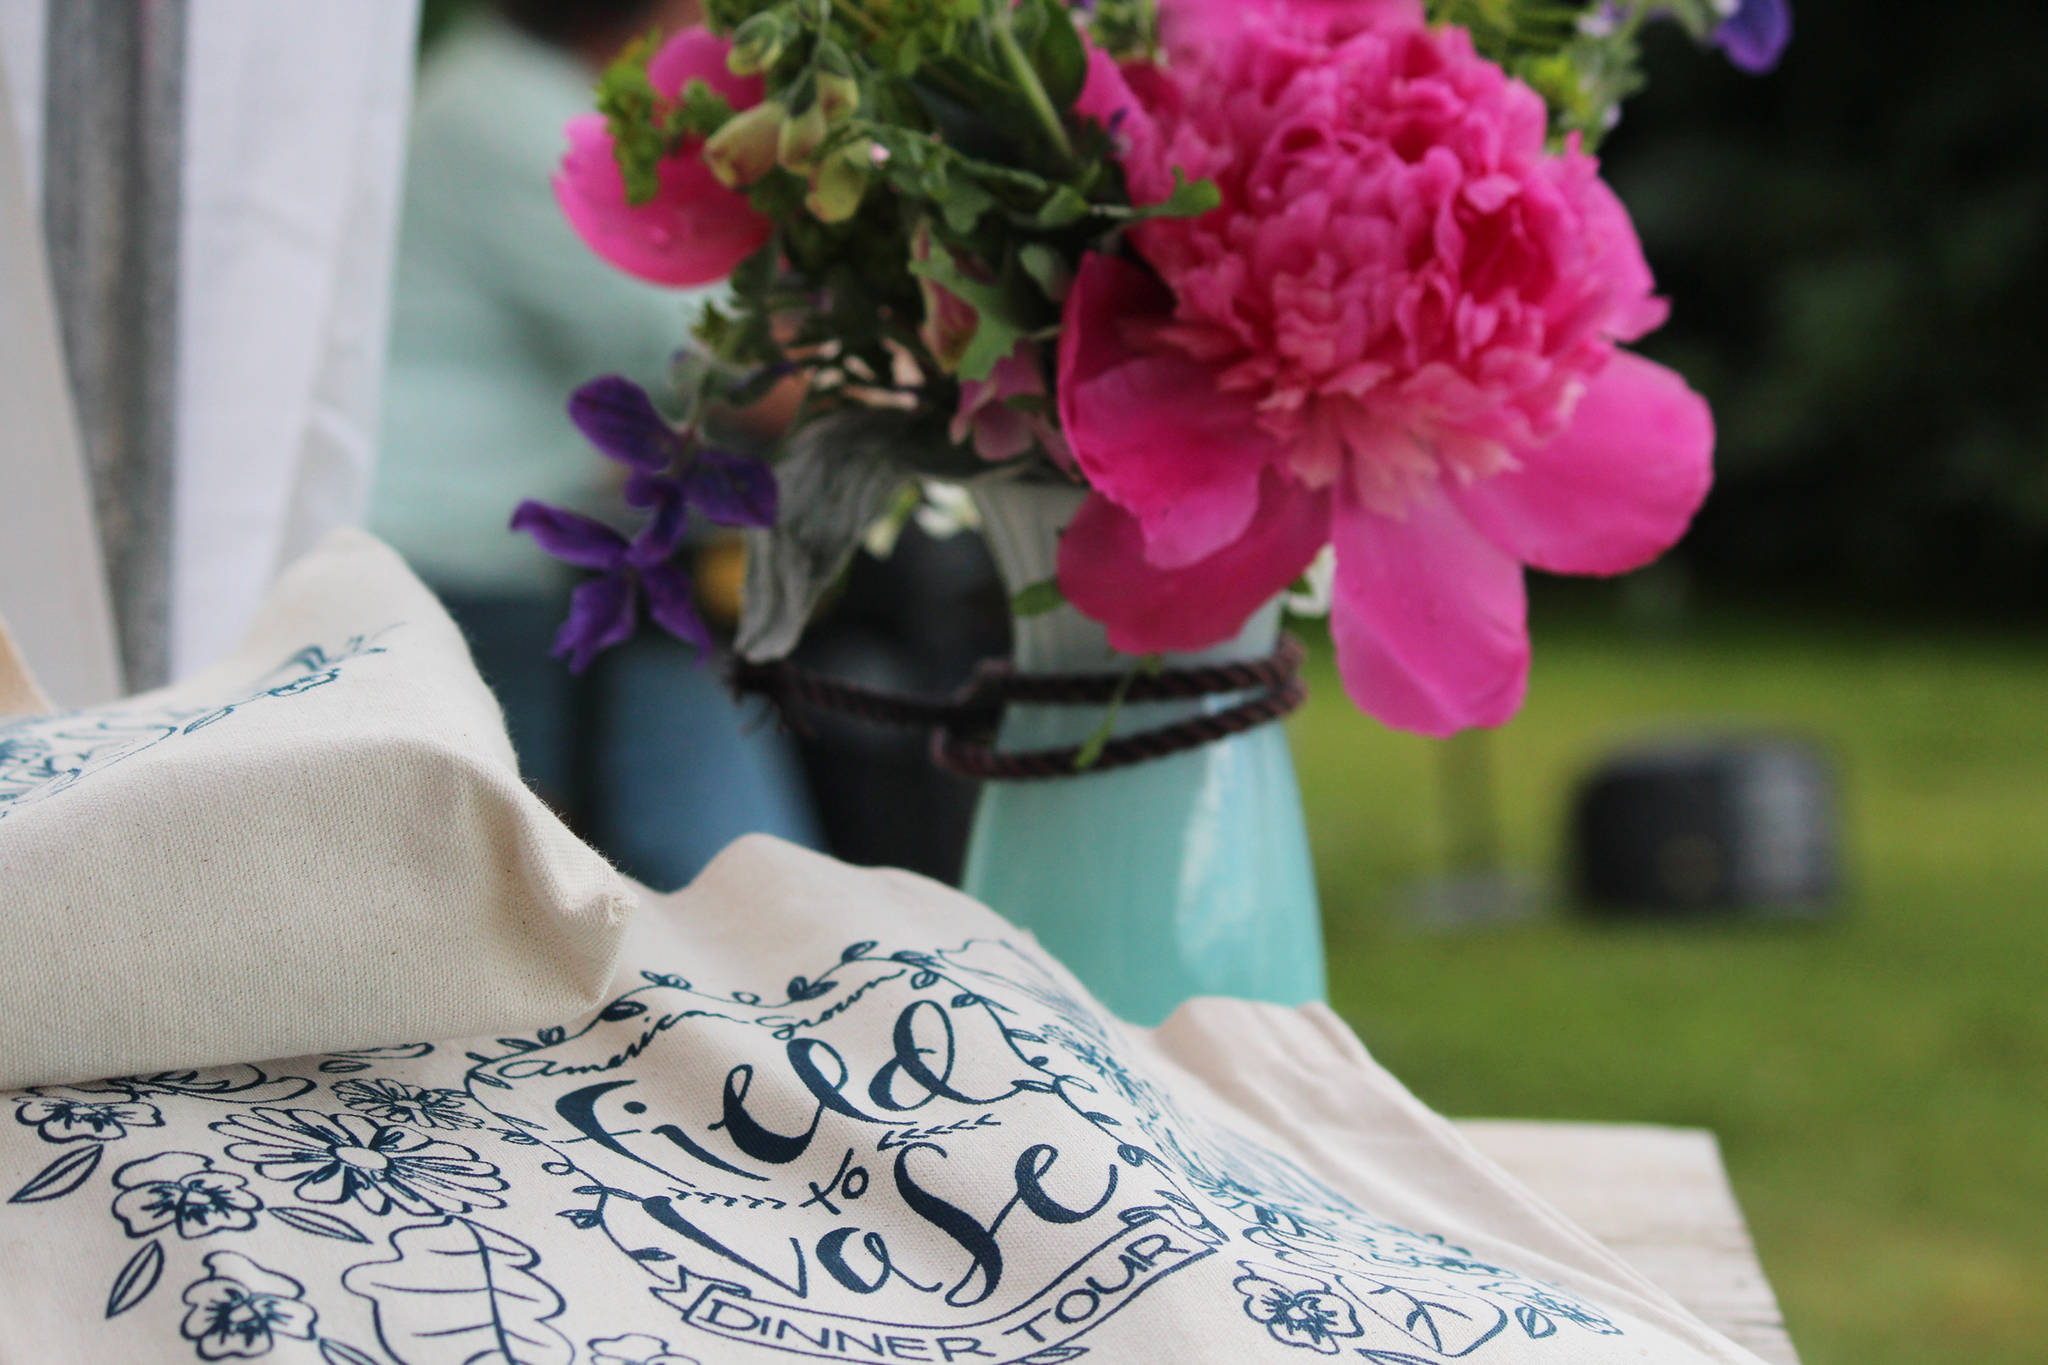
918,621
1856,249
1699,824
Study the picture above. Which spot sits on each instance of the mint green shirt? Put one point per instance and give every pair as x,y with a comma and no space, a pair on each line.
499,312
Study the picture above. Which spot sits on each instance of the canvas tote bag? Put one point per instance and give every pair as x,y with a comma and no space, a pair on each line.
823,1114
295,849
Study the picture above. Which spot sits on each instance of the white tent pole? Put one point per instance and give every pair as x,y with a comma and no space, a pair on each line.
53,590
112,137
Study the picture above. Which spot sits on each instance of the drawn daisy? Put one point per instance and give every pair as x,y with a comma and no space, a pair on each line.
333,1158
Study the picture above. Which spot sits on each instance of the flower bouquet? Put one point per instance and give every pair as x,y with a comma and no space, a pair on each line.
1254,286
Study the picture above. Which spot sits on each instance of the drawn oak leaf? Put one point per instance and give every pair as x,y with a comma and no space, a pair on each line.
460,1293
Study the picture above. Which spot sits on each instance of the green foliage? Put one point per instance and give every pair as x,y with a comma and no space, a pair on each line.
1875,1080
1581,55
1037,599
1857,253
1126,29
635,118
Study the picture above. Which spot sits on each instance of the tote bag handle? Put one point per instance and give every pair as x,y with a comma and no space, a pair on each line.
53,585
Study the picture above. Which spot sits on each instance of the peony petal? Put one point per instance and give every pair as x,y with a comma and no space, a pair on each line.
1104,571
1615,488
1151,431
693,231
697,54
1429,618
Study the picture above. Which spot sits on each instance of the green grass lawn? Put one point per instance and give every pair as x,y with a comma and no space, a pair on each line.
1879,1081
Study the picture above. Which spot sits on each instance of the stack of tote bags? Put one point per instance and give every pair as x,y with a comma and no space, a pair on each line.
796,1111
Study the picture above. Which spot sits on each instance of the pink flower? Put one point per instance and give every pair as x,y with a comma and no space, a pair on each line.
1191,29
1397,333
1001,429
694,230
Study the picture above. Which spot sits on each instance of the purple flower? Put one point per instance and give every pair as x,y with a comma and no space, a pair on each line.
1754,37
618,417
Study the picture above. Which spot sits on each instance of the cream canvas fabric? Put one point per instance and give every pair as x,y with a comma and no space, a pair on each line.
823,1114
289,851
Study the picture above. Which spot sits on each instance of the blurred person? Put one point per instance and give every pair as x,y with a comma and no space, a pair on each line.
499,313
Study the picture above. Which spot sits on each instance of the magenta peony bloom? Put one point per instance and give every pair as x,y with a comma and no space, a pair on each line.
1397,333
694,230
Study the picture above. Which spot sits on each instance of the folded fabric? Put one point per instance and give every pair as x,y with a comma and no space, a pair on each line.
321,842
824,1114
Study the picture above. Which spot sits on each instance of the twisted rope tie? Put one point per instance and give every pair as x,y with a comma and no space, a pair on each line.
963,725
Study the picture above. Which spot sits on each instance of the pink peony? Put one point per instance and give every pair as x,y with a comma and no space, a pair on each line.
1397,333
694,230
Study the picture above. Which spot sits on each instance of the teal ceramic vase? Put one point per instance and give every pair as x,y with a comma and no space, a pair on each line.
1169,879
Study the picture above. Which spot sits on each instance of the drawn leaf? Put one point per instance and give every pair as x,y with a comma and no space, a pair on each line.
620,1010
136,1279
1535,1322
317,1223
61,1176
652,1254
342,1066
459,1293
340,1353
855,951
802,989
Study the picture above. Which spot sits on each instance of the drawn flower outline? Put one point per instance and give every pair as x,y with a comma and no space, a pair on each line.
62,1118
635,1348
333,1158
240,1309
402,1102
182,1189
1313,1318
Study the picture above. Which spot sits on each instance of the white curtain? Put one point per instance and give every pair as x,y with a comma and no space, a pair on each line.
294,150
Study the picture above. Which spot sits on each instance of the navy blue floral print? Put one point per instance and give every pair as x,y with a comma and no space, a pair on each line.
63,1118
399,1102
333,1158
1308,1315
240,1309
182,1190
635,1348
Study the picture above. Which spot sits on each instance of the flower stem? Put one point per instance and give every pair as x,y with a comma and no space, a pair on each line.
1026,76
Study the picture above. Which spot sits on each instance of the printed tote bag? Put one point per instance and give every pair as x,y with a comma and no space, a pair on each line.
822,1114
290,851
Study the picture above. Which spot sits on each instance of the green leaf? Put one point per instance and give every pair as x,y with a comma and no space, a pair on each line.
1038,599
996,330
1065,207
1092,747
963,204
1047,268
1061,60
836,476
